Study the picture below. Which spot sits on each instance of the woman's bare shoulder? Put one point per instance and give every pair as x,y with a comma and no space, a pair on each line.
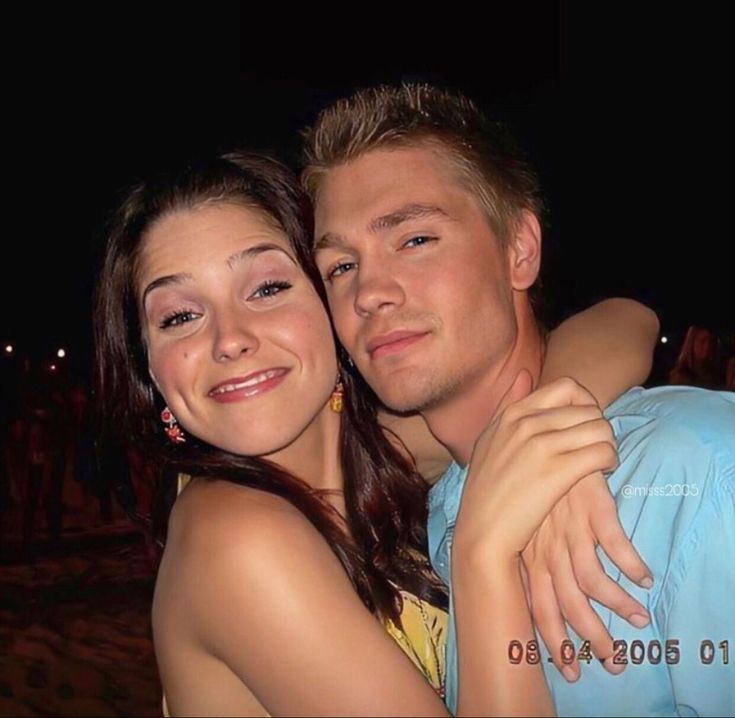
238,539
250,581
211,510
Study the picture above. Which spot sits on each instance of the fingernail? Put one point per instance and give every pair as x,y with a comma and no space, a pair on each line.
646,582
569,673
639,620
611,667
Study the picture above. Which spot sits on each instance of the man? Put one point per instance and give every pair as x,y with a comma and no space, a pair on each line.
428,237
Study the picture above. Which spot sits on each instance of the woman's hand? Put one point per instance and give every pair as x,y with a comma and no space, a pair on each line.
525,461
563,572
608,348
528,458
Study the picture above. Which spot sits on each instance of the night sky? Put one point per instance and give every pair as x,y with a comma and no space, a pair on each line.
621,116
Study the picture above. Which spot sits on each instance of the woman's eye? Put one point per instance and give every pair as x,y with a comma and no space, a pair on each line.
418,241
177,319
270,289
340,269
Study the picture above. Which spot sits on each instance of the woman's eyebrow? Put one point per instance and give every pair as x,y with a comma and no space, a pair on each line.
164,282
254,251
231,262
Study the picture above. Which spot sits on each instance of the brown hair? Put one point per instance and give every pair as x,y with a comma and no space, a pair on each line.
386,499
482,154
695,368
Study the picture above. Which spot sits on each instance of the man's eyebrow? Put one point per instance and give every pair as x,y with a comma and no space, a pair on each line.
405,214
387,221
231,261
328,239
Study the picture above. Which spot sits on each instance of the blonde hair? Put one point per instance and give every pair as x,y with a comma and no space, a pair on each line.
482,155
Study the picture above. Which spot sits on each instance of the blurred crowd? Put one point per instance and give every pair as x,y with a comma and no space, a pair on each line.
56,477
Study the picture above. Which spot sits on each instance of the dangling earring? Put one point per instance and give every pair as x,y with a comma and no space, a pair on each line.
173,430
335,401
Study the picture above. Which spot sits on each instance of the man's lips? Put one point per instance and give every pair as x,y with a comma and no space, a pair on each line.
243,387
393,342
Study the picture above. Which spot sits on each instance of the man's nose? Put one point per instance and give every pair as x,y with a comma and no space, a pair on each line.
378,290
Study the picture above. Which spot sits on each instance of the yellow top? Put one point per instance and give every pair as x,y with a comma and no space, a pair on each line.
423,638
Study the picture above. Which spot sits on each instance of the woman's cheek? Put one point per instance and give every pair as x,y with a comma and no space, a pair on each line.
170,365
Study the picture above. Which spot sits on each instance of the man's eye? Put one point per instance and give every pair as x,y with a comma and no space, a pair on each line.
176,319
339,269
418,241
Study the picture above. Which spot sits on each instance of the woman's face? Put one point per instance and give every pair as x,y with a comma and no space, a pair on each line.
239,343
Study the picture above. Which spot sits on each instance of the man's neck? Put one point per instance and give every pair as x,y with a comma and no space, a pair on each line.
459,422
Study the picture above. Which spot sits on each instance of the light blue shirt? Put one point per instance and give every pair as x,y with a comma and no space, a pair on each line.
675,493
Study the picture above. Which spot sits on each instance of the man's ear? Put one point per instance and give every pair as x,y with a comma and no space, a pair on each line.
524,251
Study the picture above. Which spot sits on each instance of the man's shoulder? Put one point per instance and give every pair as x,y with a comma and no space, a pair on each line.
677,402
676,419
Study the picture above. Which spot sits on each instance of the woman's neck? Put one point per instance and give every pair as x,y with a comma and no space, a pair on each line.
314,456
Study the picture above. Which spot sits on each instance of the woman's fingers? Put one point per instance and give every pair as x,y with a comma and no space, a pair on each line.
555,419
606,527
579,614
558,393
540,493
549,621
596,584
563,440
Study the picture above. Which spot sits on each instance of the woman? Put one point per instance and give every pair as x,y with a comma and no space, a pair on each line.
699,361
304,523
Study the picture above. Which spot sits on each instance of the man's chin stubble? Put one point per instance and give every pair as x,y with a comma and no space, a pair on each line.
425,397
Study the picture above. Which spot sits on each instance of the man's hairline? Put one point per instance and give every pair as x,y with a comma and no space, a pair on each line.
446,157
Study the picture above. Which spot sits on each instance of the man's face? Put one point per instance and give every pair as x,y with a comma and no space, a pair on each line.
418,283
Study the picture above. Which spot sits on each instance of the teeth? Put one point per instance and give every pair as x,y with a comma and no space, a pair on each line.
254,381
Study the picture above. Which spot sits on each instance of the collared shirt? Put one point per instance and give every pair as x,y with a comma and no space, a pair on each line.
675,493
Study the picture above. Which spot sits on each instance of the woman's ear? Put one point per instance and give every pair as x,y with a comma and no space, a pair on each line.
524,251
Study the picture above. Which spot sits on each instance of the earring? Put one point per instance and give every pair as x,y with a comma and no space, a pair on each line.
173,430
335,401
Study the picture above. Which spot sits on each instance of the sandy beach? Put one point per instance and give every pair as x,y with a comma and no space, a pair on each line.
75,636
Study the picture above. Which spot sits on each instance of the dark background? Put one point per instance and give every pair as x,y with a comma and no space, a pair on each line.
623,110
623,115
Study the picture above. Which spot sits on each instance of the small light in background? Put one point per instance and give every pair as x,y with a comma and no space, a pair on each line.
52,368
664,340
61,353
8,348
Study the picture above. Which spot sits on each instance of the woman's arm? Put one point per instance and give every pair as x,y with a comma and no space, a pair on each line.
558,435
254,613
607,348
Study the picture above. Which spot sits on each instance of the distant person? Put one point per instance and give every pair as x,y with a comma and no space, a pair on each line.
698,363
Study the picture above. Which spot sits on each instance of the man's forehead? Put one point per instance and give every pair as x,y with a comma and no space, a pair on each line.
384,187
402,214
386,166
